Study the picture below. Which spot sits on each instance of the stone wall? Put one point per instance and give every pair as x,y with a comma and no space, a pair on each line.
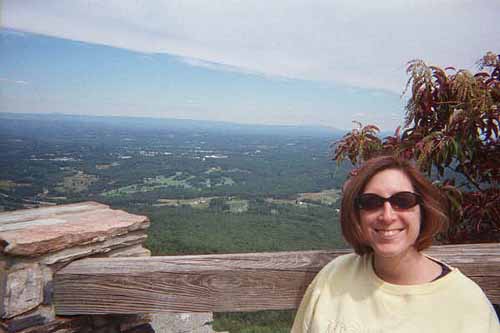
35,243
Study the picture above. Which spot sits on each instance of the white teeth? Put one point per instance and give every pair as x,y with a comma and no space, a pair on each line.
388,233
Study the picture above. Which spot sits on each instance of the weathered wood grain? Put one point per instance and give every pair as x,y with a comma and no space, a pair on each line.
223,283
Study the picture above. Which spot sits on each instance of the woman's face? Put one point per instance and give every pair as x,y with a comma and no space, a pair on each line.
390,231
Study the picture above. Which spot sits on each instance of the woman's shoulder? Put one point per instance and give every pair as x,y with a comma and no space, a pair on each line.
467,300
343,260
465,287
343,267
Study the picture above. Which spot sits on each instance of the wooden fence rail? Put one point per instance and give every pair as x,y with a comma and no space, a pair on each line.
224,283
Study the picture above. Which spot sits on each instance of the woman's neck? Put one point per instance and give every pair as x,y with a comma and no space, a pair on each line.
409,268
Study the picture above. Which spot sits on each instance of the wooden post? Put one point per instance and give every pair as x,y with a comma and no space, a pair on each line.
224,283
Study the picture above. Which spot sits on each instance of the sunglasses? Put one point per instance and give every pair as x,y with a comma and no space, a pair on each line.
400,200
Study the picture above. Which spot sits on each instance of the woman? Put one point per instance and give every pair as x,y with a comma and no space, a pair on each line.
390,213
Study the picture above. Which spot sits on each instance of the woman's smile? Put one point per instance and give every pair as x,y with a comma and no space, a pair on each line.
388,233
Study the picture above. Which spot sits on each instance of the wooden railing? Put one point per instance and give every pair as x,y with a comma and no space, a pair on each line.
225,283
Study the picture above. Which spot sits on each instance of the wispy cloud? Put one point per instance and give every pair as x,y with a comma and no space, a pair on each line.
215,66
228,68
356,43
12,32
359,114
146,57
3,79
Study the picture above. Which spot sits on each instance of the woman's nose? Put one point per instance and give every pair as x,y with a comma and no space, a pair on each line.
387,213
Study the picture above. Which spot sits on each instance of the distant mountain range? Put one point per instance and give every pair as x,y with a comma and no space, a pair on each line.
172,124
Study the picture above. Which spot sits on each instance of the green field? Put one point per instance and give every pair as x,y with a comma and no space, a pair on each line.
326,197
201,202
7,184
179,180
151,184
238,206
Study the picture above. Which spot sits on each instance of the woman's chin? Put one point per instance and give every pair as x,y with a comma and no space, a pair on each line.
391,250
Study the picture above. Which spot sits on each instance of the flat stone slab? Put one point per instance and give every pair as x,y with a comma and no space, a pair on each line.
33,232
24,290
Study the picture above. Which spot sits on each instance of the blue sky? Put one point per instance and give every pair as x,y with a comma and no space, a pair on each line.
293,62
64,76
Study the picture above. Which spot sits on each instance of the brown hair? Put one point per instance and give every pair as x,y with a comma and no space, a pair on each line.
434,206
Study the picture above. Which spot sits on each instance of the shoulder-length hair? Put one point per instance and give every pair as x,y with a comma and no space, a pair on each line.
434,205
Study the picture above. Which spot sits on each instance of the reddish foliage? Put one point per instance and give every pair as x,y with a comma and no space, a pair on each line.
451,130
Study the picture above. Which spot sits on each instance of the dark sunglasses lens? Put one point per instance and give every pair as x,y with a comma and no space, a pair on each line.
400,200
404,200
370,201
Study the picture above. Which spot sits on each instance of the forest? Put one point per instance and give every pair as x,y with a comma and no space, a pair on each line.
206,187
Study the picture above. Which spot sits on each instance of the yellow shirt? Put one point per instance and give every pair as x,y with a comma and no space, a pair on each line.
348,297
